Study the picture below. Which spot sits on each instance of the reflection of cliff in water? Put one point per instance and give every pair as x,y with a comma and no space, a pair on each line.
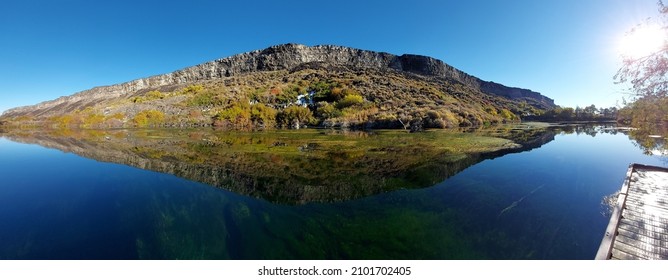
293,167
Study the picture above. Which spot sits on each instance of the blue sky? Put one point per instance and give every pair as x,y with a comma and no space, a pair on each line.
564,49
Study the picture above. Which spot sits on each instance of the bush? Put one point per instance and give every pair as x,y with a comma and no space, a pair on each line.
323,91
204,99
295,117
357,115
148,118
64,121
192,89
331,91
115,120
261,115
349,101
237,116
93,120
151,95
508,115
287,95
327,111
138,99
154,94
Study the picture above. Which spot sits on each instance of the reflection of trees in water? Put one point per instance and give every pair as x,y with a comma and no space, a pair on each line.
651,138
295,167
588,129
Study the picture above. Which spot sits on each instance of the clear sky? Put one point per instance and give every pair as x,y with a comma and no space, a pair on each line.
565,49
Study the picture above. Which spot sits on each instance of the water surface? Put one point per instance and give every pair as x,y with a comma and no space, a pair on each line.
309,195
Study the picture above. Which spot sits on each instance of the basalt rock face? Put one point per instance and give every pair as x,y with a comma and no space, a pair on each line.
285,57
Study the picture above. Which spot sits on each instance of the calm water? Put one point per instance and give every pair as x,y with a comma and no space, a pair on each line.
544,203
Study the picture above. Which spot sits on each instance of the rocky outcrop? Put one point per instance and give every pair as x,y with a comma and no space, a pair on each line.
284,57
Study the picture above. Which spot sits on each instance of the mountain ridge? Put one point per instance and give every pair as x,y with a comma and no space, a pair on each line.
285,57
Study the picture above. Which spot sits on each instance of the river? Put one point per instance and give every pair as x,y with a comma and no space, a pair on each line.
502,193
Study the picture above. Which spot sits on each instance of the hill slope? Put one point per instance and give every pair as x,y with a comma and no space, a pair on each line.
342,86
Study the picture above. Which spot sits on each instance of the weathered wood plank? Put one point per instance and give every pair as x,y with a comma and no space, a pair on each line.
636,200
621,255
647,200
656,191
647,211
653,254
642,241
650,232
638,222
643,216
645,228
659,234
641,230
605,248
630,251
635,214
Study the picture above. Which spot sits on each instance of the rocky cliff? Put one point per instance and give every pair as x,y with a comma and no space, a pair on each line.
286,57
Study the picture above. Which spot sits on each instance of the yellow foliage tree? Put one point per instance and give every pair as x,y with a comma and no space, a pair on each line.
148,118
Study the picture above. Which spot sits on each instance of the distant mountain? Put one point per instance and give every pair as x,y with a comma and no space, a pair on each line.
293,85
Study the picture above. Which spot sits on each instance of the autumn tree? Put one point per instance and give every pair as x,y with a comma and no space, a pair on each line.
645,68
647,72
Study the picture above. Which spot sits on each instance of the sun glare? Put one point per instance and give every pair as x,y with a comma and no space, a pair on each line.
642,41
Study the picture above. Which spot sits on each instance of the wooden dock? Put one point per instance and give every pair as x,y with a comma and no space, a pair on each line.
638,228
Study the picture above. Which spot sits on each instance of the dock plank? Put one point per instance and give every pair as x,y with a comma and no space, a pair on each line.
655,226
640,241
637,201
621,255
631,214
647,211
638,228
637,221
655,254
643,232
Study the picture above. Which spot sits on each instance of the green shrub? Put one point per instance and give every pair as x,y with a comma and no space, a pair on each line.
327,111
148,118
192,89
205,98
154,94
238,116
288,95
262,115
64,121
508,115
323,91
331,91
92,120
358,115
350,100
151,95
295,116
137,99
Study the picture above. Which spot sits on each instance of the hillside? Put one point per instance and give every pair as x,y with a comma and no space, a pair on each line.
291,86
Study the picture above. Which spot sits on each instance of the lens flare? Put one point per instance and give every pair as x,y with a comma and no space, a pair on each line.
642,41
